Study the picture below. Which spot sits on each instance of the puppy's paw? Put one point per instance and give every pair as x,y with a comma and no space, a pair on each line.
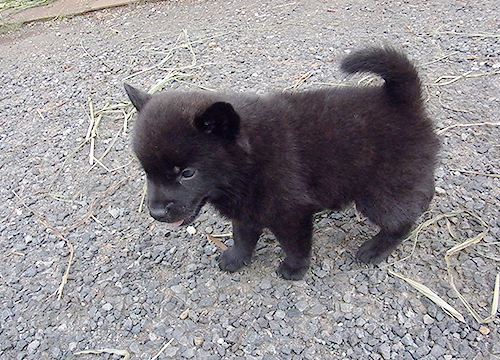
232,260
292,272
371,252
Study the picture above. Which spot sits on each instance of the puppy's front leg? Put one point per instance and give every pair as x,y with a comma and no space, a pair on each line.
245,238
295,238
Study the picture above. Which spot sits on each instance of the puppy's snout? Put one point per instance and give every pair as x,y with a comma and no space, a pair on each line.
159,212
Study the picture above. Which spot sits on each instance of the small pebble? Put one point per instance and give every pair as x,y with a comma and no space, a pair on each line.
33,346
191,230
484,330
184,314
428,320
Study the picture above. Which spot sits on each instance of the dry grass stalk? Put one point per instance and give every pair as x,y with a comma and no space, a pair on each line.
459,247
124,111
301,79
64,279
56,232
59,232
453,78
217,242
482,35
439,59
66,198
69,156
414,236
431,295
467,125
124,353
223,235
476,173
449,107
89,213
162,349
178,45
143,195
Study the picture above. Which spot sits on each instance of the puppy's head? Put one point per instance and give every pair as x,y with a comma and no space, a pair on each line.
183,141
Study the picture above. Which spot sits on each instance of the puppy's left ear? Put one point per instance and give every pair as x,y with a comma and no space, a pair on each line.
139,98
220,119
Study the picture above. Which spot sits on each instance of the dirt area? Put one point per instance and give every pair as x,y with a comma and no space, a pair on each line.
84,268
58,8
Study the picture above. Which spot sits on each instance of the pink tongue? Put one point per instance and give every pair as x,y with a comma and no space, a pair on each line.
177,223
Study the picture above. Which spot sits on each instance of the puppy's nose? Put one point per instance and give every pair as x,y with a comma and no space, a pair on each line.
159,212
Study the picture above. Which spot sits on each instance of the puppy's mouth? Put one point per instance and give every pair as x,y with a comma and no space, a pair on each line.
177,223
183,219
192,217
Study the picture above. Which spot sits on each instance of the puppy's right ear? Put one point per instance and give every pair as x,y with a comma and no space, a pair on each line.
219,119
139,98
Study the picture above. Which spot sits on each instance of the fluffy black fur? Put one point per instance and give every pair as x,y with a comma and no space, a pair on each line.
273,161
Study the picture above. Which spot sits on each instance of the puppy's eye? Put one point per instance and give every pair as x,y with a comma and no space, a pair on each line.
188,173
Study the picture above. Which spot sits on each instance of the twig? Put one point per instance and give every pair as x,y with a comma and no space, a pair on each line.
124,353
143,195
449,253
457,248
92,204
65,160
431,295
302,78
485,35
108,149
476,173
449,107
367,80
58,233
454,78
176,47
162,349
330,84
53,107
466,125
217,242
439,59
66,198
64,279
222,235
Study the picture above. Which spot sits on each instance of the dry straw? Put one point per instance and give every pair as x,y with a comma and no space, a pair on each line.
124,353
450,270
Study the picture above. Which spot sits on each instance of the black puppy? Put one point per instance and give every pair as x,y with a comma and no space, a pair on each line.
273,161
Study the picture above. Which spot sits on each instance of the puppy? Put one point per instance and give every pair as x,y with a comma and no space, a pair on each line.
274,161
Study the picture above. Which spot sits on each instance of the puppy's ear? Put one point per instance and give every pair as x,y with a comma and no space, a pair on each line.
138,97
220,119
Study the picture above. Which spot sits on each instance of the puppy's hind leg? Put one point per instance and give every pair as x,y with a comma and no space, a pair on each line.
395,215
381,245
245,238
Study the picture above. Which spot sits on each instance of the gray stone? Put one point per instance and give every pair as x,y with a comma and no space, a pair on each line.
265,284
33,346
427,319
385,351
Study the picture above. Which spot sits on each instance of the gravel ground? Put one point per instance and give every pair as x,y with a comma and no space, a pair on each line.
140,286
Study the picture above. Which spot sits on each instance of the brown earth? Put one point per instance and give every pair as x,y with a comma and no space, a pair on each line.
57,9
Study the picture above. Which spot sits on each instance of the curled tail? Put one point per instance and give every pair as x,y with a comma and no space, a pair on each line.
401,78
